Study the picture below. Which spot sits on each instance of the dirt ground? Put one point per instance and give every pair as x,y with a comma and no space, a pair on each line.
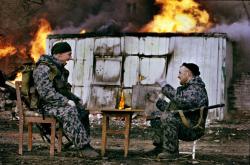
223,143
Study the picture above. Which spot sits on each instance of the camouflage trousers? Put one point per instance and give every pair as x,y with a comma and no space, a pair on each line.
169,129
73,127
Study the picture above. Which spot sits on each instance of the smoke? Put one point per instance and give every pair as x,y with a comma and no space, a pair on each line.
72,16
233,18
19,18
240,33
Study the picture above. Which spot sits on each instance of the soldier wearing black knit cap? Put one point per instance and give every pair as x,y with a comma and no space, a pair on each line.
56,99
170,127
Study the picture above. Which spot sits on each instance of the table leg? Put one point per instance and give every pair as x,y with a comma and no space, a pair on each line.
127,131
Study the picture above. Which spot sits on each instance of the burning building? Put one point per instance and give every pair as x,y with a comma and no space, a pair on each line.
105,65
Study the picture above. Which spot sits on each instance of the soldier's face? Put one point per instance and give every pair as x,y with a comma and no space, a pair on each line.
184,75
64,57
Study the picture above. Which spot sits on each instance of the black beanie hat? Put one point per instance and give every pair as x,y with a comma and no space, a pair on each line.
193,68
60,47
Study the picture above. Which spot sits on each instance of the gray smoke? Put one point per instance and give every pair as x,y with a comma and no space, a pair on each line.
19,18
240,33
72,16
233,18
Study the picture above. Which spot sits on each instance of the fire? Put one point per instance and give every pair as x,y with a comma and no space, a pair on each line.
18,77
179,16
7,50
122,102
38,44
82,31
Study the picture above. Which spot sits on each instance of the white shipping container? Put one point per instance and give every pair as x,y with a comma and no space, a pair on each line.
121,61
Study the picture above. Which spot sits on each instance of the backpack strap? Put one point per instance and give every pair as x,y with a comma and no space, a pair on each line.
185,121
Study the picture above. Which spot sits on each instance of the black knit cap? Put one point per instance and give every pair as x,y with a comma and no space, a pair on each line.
60,47
193,68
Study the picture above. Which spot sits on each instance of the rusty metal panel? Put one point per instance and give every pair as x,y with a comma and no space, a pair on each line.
103,97
107,71
131,71
143,70
131,45
154,46
78,73
88,64
152,69
107,46
151,46
77,91
80,48
163,46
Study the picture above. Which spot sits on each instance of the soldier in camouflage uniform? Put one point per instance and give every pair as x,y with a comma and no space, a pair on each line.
50,79
170,127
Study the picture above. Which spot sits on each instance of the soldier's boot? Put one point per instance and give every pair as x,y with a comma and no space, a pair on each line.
88,152
155,151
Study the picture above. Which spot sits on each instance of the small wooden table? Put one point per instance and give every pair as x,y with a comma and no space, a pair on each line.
127,114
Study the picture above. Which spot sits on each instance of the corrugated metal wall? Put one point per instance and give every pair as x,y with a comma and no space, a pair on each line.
102,65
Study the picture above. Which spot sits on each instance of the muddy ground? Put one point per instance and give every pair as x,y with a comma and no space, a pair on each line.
224,143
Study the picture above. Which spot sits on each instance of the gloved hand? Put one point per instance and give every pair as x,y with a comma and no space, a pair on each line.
72,103
161,82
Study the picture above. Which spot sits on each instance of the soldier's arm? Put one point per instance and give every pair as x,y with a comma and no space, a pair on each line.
45,87
189,98
71,96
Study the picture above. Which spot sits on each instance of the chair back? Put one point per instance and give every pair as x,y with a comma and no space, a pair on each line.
18,85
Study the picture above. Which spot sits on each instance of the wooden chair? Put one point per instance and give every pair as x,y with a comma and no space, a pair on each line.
30,117
193,150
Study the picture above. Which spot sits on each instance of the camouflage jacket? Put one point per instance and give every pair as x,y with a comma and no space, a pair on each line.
188,96
50,79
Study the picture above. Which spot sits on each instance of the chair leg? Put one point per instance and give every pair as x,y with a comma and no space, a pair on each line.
20,148
193,149
59,149
30,136
104,133
52,138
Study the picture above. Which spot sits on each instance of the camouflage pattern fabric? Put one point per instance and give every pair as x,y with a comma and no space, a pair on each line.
169,128
55,103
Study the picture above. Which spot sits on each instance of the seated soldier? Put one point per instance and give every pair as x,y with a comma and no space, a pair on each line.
170,127
56,98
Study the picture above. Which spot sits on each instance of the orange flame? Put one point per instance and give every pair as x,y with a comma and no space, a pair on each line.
18,77
38,44
122,102
83,31
179,16
7,50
